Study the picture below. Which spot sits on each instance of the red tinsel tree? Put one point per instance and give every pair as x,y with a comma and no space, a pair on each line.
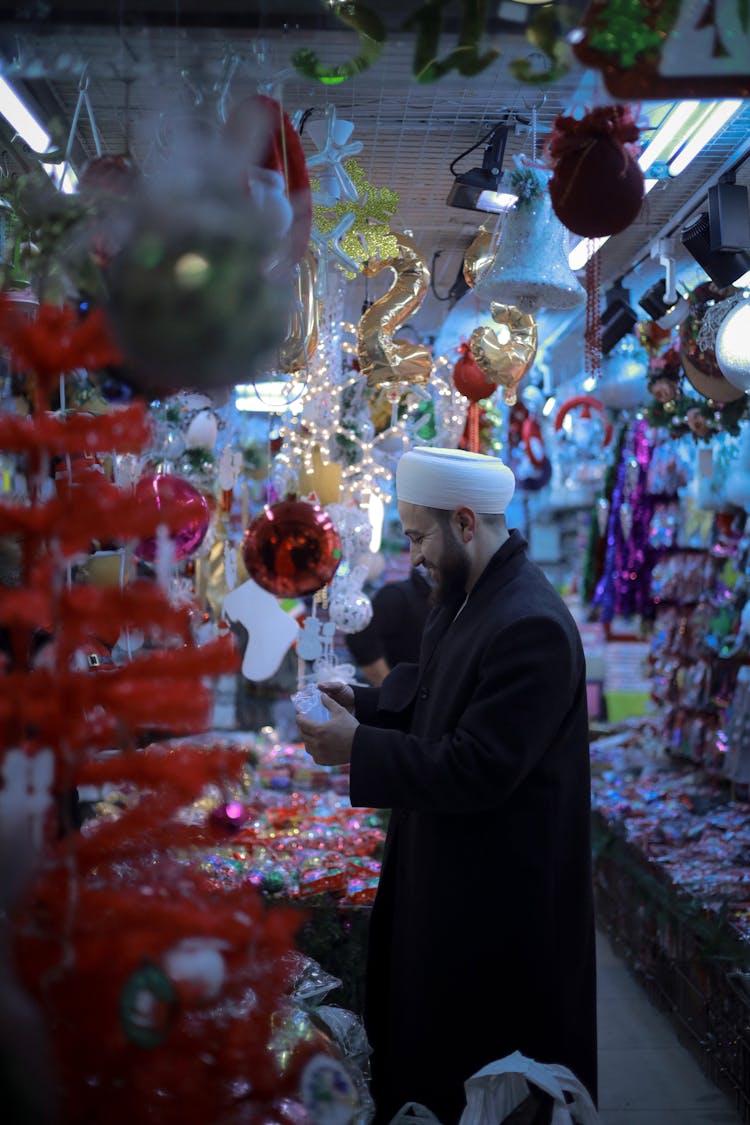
154,993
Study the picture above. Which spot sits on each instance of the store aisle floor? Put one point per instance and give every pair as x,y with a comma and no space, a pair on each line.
646,1076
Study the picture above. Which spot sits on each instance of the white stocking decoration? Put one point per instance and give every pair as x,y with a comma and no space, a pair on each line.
26,793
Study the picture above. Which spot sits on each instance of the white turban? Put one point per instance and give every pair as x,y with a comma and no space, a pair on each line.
454,478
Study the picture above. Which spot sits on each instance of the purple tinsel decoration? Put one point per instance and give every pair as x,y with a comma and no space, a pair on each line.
625,586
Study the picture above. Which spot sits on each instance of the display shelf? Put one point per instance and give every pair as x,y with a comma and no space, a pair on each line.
692,964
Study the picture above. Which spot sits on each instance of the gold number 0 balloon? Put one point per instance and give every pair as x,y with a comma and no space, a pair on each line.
381,358
507,363
301,340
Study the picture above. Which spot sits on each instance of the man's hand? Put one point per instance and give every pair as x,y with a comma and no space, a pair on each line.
330,743
343,694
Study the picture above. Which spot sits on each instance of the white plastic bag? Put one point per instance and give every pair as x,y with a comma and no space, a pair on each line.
497,1089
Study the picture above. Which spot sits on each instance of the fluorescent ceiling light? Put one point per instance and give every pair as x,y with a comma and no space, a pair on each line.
715,119
584,250
742,282
676,120
272,397
549,406
589,383
22,119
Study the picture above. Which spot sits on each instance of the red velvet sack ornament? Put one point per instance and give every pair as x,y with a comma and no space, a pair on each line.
597,185
469,379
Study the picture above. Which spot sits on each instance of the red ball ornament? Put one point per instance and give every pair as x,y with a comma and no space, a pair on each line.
468,378
597,185
170,493
292,548
110,175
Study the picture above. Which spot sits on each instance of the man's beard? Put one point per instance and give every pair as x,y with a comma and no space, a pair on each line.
451,574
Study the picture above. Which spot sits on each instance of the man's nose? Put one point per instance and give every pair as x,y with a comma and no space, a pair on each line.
415,554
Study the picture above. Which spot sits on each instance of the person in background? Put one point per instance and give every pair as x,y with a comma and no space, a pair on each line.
482,932
399,612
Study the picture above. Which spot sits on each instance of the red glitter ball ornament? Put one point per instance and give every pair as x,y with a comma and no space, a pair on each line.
292,548
469,379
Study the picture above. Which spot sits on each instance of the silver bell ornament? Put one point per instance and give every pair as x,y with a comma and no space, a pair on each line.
530,268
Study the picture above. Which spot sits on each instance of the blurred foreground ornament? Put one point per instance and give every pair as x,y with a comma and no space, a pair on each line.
530,268
292,548
733,346
169,491
597,187
259,127
699,363
189,294
383,359
506,363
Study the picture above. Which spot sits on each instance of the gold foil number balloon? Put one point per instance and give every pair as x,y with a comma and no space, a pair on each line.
301,340
478,256
381,358
506,363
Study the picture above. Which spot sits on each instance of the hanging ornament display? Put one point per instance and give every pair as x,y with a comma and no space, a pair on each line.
597,185
167,491
664,372
383,359
331,139
349,608
301,340
733,346
371,33
506,363
202,431
699,363
465,57
669,50
292,548
621,383
469,378
586,403
471,381
530,266
366,232
478,256
259,126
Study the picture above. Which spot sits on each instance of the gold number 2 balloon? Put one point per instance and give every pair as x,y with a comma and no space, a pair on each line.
301,340
506,363
381,358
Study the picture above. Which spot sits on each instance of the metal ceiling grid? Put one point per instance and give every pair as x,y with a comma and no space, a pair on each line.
410,132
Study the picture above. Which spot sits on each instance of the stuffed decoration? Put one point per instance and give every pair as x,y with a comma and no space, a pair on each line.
668,49
597,185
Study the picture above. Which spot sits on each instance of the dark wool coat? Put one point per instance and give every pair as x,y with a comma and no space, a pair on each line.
482,932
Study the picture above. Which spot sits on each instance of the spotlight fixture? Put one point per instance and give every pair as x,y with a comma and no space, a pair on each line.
724,267
728,216
478,189
665,313
618,318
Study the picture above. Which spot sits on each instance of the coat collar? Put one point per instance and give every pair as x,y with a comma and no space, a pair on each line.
500,569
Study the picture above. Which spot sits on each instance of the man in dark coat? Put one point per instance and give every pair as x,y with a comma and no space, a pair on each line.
482,934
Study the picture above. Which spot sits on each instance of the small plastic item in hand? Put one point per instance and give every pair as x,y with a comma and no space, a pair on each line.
308,703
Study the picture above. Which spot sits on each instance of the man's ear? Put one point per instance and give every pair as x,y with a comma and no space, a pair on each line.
465,522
